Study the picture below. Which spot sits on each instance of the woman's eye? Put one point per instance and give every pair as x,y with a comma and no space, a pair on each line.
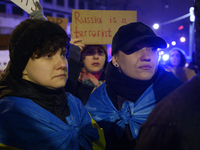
47,56
151,49
100,52
64,55
89,52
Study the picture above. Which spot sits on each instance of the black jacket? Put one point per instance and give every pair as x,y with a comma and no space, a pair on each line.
174,124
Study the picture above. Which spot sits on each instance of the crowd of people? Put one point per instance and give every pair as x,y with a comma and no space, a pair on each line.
57,93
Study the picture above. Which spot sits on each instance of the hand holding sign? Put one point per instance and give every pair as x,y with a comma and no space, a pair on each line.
38,14
27,5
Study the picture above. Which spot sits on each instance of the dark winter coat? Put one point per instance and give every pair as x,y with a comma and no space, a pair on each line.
174,124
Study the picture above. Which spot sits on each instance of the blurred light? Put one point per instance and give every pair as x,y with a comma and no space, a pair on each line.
186,65
161,52
168,45
165,57
181,27
192,16
159,49
156,26
109,50
182,39
166,5
173,43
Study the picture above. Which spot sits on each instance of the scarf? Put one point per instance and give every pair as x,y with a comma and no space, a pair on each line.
125,86
90,79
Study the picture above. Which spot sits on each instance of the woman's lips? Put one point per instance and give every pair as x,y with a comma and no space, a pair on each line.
95,64
145,67
60,76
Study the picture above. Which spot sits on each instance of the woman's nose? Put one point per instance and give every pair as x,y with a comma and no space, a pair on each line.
96,54
61,62
145,54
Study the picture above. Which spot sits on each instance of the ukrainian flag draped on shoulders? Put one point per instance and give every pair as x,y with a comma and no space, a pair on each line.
26,125
36,118
133,114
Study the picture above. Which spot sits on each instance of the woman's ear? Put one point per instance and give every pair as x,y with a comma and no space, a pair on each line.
114,61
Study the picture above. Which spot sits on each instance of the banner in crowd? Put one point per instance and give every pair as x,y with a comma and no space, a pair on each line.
26,5
29,6
99,26
61,21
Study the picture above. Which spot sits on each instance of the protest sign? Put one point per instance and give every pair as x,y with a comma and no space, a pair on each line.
61,21
99,26
26,5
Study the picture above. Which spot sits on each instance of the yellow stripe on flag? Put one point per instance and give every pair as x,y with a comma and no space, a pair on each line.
101,143
6,147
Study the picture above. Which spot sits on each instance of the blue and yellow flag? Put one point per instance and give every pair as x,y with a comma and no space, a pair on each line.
26,125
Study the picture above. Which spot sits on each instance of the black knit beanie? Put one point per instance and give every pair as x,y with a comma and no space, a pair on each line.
26,37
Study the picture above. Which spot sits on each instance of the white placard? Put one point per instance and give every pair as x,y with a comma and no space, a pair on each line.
26,5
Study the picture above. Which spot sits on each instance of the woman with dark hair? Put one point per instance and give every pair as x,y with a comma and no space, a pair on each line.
87,65
35,110
177,61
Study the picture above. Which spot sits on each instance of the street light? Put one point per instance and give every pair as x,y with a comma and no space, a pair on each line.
192,16
156,26
173,43
182,39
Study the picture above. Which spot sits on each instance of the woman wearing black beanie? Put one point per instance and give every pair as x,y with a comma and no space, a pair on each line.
35,110
87,64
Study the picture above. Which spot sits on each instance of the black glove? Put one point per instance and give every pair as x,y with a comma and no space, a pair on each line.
75,53
38,14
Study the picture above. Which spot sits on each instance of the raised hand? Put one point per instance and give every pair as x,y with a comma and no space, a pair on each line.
38,14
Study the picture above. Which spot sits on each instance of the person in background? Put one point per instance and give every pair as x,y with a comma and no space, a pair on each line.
35,110
174,124
135,83
86,69
86,63
176,62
